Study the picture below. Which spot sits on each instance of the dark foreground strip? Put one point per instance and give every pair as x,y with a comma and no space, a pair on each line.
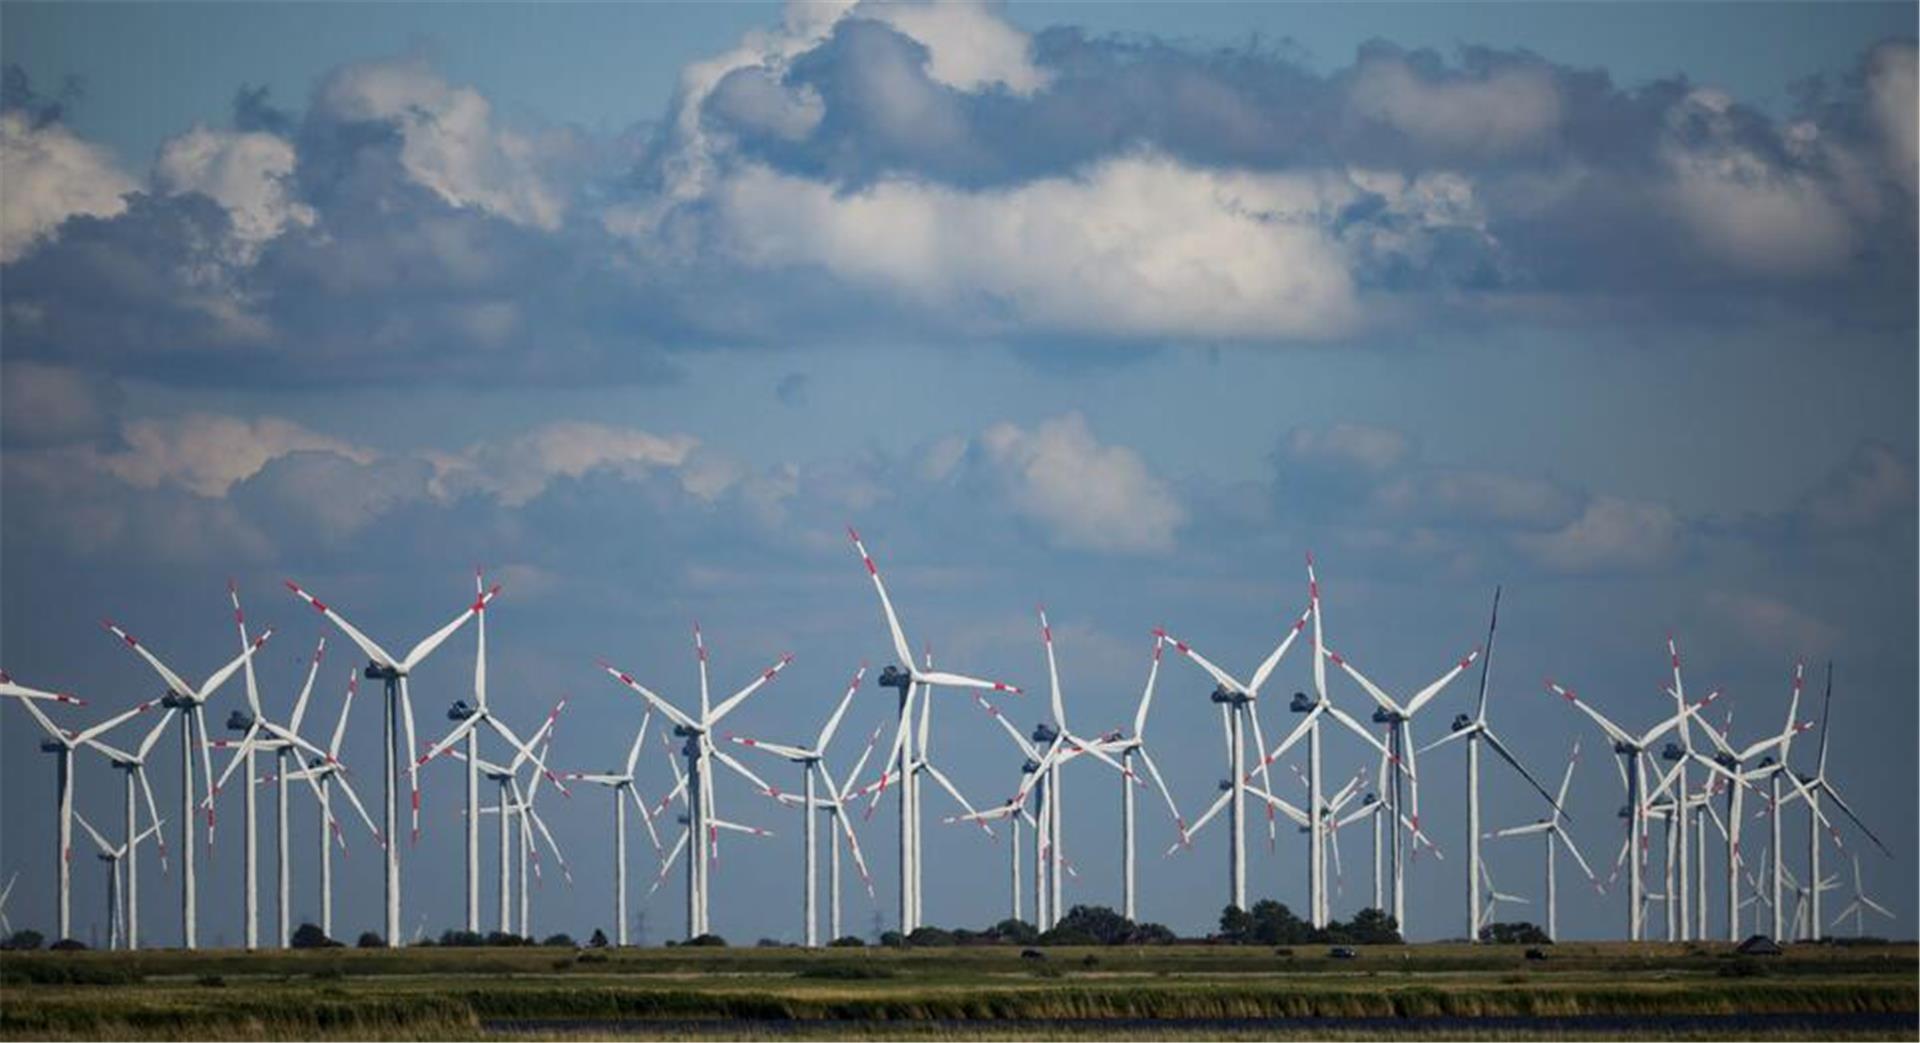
1676,1025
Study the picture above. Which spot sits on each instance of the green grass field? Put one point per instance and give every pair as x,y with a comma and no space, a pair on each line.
1188,992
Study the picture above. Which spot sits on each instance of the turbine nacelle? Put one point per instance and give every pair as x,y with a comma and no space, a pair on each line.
1626,811
377,672
173,700
1030,766
1382,715
1461,722
1300,703
239,721
1221,694
459,711
1225,785
1044,732
51,746
1625,749
1673,752
894,677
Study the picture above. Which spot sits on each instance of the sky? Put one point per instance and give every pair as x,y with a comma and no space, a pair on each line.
1120,309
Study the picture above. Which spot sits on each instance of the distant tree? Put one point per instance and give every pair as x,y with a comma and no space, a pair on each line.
710,940
1097,922
503,939
892,939
1014,932
1521,933
1375,927
599,939
68,945
1152,934
848,941
461,939
769,943
1235,925
25,939
1275,924
310,936
370,940
559,941
931,937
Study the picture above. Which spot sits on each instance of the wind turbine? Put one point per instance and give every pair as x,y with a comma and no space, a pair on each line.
1860,905
320,774
686,843
62,743
702,824
1814,789
261,733
1553,830
134,764
621,783
903,677
1399,716
9,687
506,779
1632,751
119,934
468,720
1320,705
1476,730
191,701
1236,701
6,925
814,775
1128,747
393,672
1731,764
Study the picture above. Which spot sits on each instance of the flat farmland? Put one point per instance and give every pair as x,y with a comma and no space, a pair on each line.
1582,991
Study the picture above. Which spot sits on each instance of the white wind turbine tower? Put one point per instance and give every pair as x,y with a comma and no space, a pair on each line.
467,727
1731,765
1405,757
506,778
1237,703
1128,747
910,759
904,676
393,672
1476,730
1814,789
191,701
1860,905
62,744
1774,766
1309,727
320,774
696,884
1032,786
1553,830
814,776
260,733
119,934
1632,751
699,750
134,764
621,783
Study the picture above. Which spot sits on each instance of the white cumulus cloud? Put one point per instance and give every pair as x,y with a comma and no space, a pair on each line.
1612,533
247,173
1086,495
51,175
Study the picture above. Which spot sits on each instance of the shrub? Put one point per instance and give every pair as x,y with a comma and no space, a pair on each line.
502,938
1064,935
713,940
931,937
559,941
1015,932
848,941
599,939
370,940
310,936
1514,934
68,945
25,940
461,939
1097,922
892,939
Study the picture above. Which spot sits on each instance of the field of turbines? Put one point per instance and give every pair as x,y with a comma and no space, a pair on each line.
1682,776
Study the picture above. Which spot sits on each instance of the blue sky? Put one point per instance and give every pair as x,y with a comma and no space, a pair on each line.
1123,308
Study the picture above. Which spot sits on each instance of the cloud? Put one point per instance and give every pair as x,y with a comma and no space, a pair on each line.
1874,486
1085,495
1139,246
1612,533
249,174
1364,446
1487,111
1892,89
53,405
449,140
51,175
205,454
519,469
1771,625
969,46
